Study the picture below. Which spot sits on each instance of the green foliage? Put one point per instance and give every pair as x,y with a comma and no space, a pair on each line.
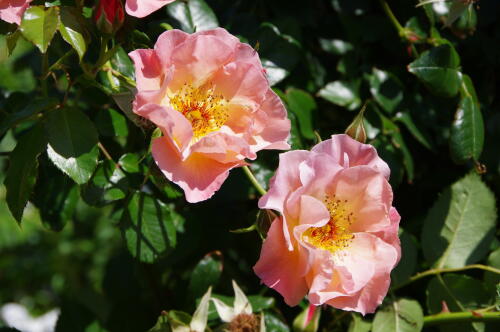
39,25
401,315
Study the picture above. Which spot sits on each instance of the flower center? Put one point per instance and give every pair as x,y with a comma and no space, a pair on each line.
206,110
335,235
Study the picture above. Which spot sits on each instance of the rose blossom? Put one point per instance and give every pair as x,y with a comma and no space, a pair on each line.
208,94
336,239
12,10
142,8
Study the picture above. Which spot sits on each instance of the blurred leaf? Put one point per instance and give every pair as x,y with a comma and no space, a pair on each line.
353,7
193,15
403,315
161,325
110,122
358,324
21,175
73,31
303,105
405,118
17,116
418,34
107,184
459,227
335,46
72,143
456,10
386,89
39,24
406,267
493,260
206,273
11,40
460,293
345,94
438,69
279,52
274,324
148,227
467,131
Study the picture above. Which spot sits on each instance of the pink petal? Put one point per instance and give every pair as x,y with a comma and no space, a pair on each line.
199,176
349,152
148,71
142,8
12,11
223,147
166,43
277,266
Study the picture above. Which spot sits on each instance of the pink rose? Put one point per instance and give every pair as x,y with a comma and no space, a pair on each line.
208,94
142,8
12,10
337,237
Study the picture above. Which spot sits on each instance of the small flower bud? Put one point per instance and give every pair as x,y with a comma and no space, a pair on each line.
357,127
109,16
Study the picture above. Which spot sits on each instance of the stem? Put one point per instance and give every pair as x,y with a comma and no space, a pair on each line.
58,62
253,180
107,155
392,18
45,66
456,317
438,271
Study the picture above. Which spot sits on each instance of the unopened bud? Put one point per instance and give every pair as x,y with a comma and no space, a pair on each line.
109,16
357,127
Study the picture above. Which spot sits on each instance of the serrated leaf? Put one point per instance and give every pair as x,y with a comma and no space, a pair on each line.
439,70
345,94
39,24
206,273
386,89
467,131
148,227
459,227
193,15
303,105
72,29
403,315
21,175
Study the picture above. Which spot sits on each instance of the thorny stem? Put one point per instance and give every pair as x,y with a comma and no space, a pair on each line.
466,316
253,180
439,271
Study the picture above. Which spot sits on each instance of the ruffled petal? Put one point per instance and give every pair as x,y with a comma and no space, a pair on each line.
142,8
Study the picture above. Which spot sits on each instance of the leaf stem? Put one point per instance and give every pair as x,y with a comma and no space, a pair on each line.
253,180
107,155
431,272
392,18
456,317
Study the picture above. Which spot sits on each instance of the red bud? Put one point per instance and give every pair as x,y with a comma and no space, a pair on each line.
109,16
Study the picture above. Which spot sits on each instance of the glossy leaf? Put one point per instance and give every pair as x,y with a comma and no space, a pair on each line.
345,94
402,315
302,104
459,228
129,162
467,131
39,24
439,70
22,173
205,274
72,143
110,122
148,227
193,15
73,31
107,185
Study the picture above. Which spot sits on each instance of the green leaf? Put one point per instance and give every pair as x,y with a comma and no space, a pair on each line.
467,131
386,89
21,175
439,70
39,24
129,162
162,325
11,40
303,105
460,293
73,31
406,267
456,10
34,107
110,122
193,15
459,227
107,185
274,323
72,143
403,315
205,274
335,46
148,227
345,94
358,324
405,118
493,260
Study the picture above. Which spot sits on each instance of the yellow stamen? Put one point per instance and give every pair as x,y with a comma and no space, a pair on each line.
336,234
202,106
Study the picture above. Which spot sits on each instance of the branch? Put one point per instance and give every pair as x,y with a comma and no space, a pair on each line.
253,180
457,317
